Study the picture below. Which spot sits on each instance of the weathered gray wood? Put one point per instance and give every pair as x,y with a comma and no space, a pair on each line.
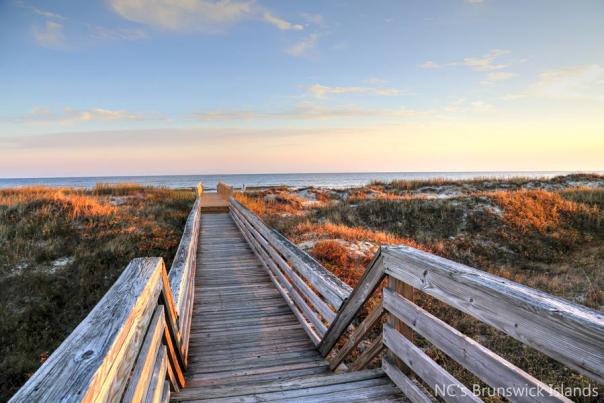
357,335
97,357
282,289
409,388
180,274
567,332
143,369
334,290
372,351
279,386
443,383
165,395
318,304
485,364
371,279
224,190
293,293
156,385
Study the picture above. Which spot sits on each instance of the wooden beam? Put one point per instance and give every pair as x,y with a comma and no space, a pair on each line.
410,389
143,369
359,333
570,333
482,362
318,304
371,279
96,358
334,290
435,376
372,351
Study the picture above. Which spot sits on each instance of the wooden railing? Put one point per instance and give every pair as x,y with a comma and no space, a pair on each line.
570,333
312,292
224,190
133,345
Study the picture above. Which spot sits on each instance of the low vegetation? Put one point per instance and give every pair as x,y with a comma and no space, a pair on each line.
60,251
544,233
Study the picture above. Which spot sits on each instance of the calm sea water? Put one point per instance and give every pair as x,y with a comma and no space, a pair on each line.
332,180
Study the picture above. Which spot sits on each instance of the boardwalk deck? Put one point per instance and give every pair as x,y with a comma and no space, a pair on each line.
246,344
213,202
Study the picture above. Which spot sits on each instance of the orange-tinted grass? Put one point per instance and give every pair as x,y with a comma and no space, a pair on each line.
311,230
76,203
538,210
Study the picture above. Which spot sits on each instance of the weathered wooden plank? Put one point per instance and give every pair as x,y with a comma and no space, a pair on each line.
96,358
409,388
156,386
372,351
371,279
279,386
318,303
184,259
406,291
165,395
443,383
224,190
331,288
143,369
314,393
570,333
357,335
293,293
301,318
485,364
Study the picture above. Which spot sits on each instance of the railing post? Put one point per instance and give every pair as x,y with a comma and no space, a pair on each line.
406,291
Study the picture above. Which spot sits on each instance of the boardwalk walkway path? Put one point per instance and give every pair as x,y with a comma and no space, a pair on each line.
246,344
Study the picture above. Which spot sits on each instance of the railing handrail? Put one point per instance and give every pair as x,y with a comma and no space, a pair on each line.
95,360
224,190
139,327
567,332
336,290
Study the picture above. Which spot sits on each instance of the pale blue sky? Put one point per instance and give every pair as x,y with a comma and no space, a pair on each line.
106,85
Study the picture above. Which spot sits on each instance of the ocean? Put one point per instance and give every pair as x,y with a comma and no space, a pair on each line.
296,180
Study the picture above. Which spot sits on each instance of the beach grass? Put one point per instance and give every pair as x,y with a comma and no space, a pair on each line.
60,251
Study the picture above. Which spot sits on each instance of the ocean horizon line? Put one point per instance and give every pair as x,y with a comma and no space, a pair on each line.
296,180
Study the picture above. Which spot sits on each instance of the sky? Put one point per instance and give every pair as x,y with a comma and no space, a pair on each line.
141,87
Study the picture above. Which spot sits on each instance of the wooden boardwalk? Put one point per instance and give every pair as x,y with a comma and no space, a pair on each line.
244,315
213,202
246,344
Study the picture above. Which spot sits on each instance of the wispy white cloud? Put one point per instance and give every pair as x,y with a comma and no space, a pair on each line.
310,111
499,76
39,11
579,82
303,47
127,34
50,35
211,16
486,62
474,1
320,91
429,64
43,115
281,23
